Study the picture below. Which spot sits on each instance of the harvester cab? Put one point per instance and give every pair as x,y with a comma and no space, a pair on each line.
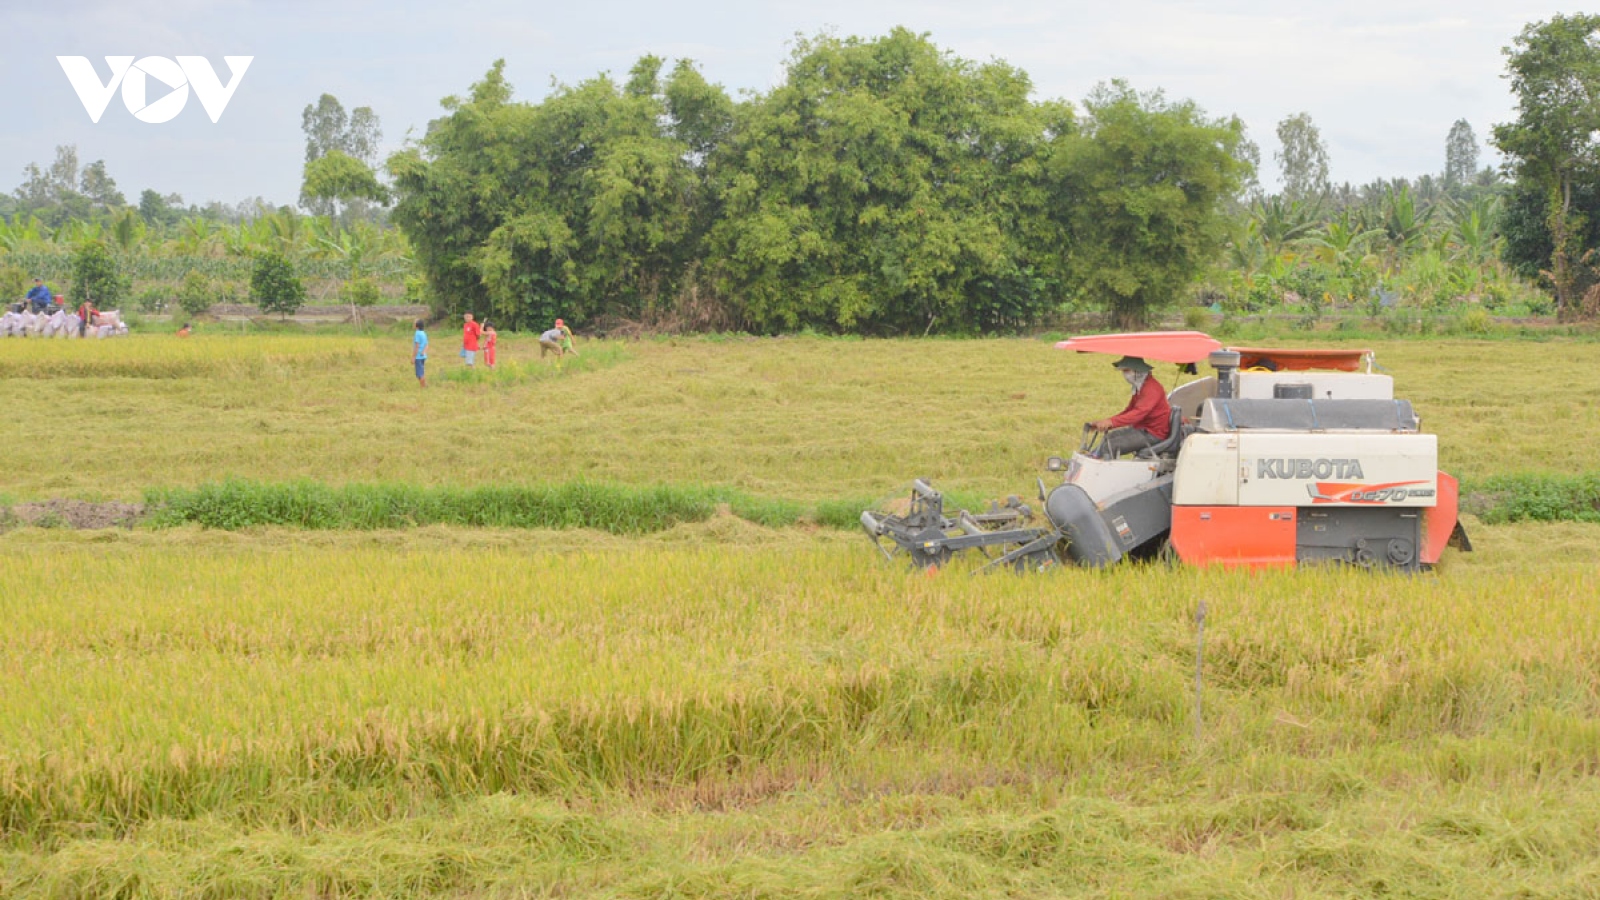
1281,457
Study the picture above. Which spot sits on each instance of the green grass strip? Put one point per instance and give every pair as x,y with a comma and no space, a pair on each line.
1528,497
632,510
617,509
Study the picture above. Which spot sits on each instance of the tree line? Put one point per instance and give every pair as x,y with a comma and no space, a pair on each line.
888,187
1473,236
885,187
69,223
1431,243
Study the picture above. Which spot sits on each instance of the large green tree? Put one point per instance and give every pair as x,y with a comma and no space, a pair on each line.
347,138
580,205
158,210
1143,185
101,189
56,193
1525,224
1553,148
1302,158
888,187
338,178
1460,155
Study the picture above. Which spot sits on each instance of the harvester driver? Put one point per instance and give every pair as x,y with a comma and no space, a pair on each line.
1147,419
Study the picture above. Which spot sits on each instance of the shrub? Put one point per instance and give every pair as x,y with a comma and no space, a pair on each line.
416,290
1397,321
1310,282
14,283
196,294
1197,318
96,275
274,287
360,292
151,300
1475,321
1496,295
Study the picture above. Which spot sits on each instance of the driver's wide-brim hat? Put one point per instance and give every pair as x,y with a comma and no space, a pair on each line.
1131,362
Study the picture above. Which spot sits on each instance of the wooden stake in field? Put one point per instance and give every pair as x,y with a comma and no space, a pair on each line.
1199,669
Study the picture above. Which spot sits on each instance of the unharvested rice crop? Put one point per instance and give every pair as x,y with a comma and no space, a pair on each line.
589,717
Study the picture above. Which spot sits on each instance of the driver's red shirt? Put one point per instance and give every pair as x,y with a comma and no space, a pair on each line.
1147,410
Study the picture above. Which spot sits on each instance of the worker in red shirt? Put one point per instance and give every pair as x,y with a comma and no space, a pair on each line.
1147,419
86,313
469,340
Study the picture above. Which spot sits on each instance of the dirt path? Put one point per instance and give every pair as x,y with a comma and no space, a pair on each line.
71,514
314,314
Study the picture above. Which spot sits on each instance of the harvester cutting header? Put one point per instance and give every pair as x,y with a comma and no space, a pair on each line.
1283,456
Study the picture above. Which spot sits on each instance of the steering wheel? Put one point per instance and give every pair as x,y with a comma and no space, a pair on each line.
1091,441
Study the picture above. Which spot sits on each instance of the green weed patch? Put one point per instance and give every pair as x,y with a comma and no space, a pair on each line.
625,509
617,509
1525,497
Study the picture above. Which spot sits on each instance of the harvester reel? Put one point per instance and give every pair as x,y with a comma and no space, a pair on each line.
931,539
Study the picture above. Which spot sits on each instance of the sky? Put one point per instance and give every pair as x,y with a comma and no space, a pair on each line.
1383,80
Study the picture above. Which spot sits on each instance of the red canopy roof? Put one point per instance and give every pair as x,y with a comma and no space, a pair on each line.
1152,346
1297,360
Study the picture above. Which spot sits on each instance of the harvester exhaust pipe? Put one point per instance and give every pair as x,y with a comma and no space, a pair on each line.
1226,362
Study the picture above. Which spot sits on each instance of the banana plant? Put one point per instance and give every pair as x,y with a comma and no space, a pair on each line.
196,237
128,230
1281,224
1342,242
238,240
1473,232
351,248
22,235
287,232
1406,223
76,231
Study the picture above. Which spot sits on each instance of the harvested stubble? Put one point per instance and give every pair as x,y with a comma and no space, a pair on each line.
801,420
195,714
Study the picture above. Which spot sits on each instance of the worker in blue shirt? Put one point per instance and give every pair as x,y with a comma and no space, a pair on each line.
40,298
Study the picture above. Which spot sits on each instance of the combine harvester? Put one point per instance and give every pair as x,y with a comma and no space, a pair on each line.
1281,457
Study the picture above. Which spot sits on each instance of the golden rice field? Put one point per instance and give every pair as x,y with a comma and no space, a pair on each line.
725,710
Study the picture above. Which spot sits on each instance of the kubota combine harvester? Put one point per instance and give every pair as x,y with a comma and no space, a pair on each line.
1283,456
